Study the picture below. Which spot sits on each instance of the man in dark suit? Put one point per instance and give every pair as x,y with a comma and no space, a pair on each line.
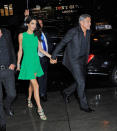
7,78
77,42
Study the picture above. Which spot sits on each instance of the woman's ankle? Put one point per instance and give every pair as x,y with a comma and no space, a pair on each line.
39,108
29,98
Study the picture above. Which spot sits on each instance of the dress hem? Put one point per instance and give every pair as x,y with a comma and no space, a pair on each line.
29,78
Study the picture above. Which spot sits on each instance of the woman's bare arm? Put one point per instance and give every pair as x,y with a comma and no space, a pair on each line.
42,51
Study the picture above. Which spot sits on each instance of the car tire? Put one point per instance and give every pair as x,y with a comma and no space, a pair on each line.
113,76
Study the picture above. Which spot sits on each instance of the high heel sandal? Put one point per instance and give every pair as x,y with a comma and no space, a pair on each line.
41,114
30,105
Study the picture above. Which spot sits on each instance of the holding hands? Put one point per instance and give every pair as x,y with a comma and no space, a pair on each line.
52,61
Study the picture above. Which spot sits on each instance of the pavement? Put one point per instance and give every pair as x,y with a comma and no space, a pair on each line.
67,117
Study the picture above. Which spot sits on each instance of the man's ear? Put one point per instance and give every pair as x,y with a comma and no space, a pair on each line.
81,22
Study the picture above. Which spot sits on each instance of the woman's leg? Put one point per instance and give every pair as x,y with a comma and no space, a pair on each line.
30,91
37,98
35,85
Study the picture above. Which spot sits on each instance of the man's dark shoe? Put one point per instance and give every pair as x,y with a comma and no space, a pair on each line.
44,98
9,112
66,97
3,128
89,110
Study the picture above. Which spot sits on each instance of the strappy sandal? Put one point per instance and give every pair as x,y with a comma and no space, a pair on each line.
41,114
30,105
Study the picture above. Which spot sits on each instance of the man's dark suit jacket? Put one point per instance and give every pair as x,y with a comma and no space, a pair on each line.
7,36
72,41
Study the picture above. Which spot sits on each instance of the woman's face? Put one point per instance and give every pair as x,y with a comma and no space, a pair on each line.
32,25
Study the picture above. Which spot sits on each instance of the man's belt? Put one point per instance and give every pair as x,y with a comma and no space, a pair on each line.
3,67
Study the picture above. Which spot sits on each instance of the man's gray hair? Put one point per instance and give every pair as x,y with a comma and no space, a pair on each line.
83,16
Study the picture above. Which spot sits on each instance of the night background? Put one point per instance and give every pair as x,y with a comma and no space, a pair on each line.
101,78
97,8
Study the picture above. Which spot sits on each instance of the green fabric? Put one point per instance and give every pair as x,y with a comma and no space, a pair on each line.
30,62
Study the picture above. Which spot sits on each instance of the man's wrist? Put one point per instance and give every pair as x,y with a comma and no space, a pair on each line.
53,58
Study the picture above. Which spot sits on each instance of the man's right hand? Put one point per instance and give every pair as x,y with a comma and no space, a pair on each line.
26,13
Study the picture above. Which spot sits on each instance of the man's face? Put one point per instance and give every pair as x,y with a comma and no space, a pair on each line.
86,23
40,23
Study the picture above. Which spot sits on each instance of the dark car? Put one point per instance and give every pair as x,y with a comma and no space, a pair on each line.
103,52
103,55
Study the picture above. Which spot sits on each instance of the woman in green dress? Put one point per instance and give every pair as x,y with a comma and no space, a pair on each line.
29,43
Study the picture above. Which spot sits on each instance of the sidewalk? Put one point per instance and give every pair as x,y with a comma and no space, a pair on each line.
66,117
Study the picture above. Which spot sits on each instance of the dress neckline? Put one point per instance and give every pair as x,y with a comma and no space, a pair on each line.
29,34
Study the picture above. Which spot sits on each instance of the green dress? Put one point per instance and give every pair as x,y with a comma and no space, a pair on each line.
30,62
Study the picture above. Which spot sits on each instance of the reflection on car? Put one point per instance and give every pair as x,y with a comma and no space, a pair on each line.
103,55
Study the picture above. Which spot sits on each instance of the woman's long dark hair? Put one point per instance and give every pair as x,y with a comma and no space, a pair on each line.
37,31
